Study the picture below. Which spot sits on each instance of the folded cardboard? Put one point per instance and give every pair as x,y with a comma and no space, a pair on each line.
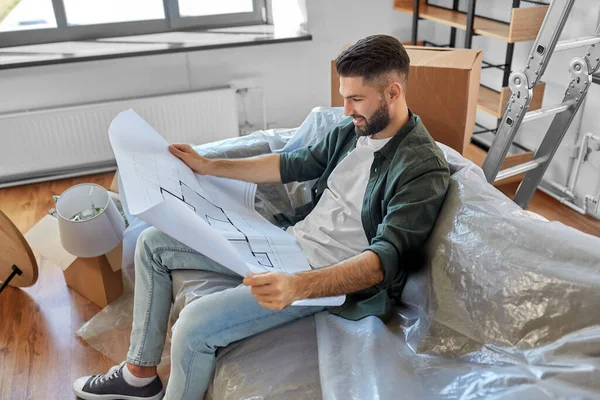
44,239
95,279
442,89
98,279
114,184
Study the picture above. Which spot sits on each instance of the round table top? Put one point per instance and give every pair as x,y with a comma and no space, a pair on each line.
14,250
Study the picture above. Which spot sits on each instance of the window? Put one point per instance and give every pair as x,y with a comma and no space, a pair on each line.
93,12
17,15
194,8
24,22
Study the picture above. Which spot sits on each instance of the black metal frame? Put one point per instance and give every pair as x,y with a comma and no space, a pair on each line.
428,43
485,129
453,30
15,271
505,68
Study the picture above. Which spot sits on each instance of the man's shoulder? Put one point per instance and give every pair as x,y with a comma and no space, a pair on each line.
418,149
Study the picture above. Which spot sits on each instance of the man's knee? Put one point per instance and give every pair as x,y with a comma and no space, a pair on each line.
150,238
148,245
204,324
194,327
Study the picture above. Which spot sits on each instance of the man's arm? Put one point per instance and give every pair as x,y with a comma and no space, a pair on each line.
351,275
409,218
277,291
300,165
260,169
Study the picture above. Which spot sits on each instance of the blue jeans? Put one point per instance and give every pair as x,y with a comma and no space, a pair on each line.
210,322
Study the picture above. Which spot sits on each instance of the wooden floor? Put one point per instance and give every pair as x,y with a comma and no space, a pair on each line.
546,206
39,354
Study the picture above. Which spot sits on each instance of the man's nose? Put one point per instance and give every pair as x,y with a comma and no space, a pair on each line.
348,109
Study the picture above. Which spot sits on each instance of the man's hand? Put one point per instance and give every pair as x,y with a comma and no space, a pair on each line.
274,290
185,152
259,169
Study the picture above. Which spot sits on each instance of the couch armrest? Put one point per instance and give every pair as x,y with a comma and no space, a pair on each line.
239,147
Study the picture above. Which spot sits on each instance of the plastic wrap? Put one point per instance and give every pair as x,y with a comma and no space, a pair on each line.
507,307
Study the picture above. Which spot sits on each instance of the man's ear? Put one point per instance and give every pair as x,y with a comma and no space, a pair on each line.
394,91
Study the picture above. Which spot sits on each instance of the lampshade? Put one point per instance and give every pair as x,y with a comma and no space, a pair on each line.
89,222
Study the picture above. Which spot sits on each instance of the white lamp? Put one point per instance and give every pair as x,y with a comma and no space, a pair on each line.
89,222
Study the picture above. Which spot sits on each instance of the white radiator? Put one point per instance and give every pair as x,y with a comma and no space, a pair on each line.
68,141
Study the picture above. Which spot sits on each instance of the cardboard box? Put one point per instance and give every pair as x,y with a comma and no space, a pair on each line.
443,87
99,279
95,278
114,185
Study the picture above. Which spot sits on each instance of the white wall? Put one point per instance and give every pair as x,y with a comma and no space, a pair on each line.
295,76
582,21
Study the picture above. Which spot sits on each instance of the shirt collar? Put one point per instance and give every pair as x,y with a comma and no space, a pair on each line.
390,147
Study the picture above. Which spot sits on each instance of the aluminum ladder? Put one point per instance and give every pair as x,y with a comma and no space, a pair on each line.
522,82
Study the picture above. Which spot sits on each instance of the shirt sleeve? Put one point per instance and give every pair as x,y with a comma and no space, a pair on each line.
409,218
308,162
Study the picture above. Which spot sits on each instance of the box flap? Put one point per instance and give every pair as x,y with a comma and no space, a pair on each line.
44,239
442,58
114,184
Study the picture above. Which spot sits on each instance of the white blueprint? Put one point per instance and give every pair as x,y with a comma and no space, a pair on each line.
214,216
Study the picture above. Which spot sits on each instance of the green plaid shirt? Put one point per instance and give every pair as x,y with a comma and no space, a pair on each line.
407,184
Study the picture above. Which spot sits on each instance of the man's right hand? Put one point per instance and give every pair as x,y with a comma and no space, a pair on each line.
185,152
259,169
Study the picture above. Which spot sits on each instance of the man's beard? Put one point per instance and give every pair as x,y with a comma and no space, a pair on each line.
378,121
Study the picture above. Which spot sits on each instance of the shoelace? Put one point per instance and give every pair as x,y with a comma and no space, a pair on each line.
112,373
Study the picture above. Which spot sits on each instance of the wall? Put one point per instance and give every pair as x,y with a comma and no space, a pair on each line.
295,76
582,21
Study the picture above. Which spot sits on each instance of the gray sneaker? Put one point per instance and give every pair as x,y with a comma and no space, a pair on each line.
112,386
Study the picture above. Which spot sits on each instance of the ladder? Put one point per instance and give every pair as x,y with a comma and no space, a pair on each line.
522,82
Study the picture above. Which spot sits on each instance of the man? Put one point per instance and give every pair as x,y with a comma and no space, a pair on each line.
381,183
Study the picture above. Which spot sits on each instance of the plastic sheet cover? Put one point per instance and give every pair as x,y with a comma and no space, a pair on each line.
507,307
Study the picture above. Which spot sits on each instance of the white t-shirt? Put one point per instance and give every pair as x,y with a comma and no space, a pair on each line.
333,231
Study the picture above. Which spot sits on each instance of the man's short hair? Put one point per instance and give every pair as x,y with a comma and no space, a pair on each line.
374,58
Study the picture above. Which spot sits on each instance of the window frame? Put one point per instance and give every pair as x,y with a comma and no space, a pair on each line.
172,22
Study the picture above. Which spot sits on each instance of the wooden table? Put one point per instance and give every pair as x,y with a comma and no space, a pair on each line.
17,263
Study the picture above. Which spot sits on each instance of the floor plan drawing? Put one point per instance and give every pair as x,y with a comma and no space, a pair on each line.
214,216
218,219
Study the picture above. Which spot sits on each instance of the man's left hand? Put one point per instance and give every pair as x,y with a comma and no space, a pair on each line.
274,290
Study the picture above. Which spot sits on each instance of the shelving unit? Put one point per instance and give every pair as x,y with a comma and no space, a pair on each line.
524,25
494,102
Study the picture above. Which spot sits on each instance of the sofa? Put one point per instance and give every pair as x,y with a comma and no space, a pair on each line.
506,307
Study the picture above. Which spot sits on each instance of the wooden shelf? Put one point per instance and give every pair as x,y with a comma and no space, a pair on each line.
493,102
477,155
524,23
